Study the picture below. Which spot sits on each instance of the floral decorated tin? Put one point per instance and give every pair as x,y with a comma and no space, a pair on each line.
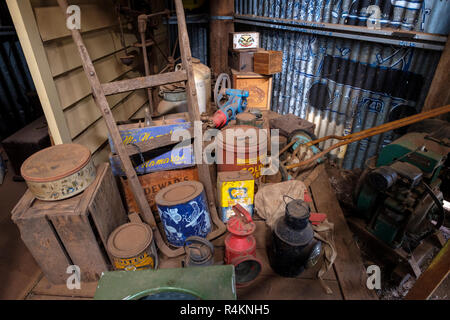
184,211
59,172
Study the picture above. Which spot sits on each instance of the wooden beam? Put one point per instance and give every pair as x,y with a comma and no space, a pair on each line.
432,277
438,94
348,265
143,82
194,113
102,104
24,21
220,27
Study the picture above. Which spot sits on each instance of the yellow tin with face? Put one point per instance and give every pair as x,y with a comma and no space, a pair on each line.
235,187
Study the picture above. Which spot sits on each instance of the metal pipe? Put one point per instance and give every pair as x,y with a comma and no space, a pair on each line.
370,132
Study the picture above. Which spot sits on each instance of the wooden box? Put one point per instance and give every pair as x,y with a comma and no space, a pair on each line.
243,40
259,87
155,181
73,231
25,142
241,60
268,61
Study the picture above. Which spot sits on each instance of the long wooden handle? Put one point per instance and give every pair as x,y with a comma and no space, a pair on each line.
369,133
102,104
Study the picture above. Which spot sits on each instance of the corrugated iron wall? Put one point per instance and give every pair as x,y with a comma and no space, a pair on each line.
19,104
430,16
341,84
198,31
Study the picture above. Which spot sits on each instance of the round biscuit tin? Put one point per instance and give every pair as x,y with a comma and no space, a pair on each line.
59,172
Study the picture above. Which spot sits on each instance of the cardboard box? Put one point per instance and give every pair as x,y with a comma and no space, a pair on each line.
244,40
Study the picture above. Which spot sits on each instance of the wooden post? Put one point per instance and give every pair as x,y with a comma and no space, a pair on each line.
432,277
439,95
220,26
27,30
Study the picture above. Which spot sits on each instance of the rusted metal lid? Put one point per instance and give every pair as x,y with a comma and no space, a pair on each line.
56,162
129,240
244,136
179,193
234,175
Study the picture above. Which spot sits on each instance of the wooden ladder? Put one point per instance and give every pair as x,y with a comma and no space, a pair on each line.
100,91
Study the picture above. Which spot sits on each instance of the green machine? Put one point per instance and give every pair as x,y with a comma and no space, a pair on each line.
194,283
400,197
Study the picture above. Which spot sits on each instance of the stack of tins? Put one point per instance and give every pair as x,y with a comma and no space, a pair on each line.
132,247
184,212
241,147
59,172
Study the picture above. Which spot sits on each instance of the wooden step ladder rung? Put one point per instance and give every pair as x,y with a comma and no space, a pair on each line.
143,82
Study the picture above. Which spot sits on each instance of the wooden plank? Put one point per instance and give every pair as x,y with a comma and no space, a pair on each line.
76,233
281,288
348,265
84,113
106,208
39,237
93,16
73,86
97,134
45,287
432,277
64,56
143,82
102,154
30,41
438,94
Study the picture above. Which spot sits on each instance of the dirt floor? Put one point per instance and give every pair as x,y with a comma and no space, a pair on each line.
18,270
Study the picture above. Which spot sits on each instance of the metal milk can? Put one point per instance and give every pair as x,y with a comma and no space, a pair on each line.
293,245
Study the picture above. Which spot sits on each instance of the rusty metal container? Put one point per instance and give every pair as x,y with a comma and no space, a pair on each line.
241,151
59,172
184,211
132,247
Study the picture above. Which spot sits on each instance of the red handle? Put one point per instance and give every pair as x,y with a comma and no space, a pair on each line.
239,210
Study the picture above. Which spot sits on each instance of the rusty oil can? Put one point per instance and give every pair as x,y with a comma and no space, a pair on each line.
132,246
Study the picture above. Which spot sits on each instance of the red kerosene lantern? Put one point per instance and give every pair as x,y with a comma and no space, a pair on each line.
240,246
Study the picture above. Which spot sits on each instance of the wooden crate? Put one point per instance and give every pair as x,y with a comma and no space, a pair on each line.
73,231
267,61
259,87
155,181
241,60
